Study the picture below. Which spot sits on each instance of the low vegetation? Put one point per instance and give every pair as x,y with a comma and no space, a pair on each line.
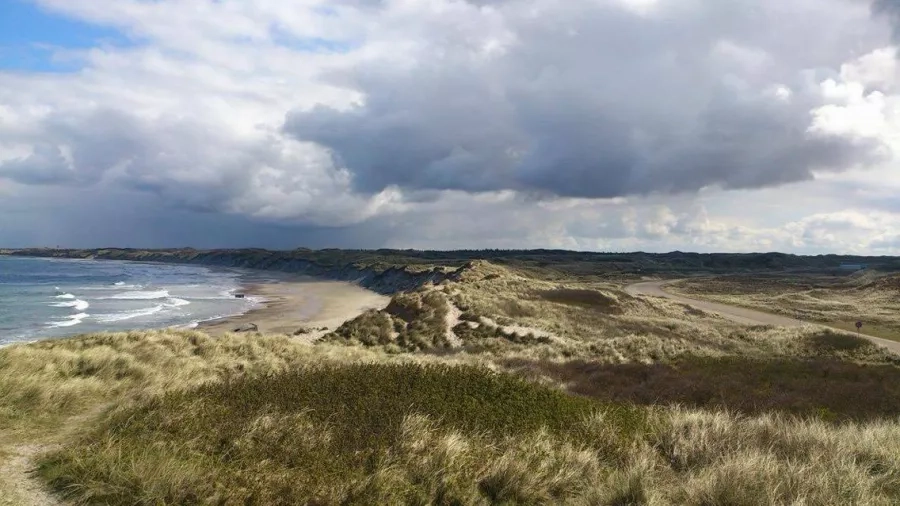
505,313
457,435
835,299
829,389
412,321
531,379
284,439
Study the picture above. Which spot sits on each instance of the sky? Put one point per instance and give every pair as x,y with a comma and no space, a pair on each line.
597,125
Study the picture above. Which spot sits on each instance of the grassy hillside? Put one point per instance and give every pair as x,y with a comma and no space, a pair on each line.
337,425
496,383
838,301
504,313
449,435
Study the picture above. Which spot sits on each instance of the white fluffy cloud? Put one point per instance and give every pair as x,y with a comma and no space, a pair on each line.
588,124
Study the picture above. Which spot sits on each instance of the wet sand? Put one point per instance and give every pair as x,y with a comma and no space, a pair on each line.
295,303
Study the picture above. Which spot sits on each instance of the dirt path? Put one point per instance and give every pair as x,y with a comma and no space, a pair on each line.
737,314
18,481
451,321
18,484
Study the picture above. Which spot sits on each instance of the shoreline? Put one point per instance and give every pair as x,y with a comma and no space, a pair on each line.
291,303
283,303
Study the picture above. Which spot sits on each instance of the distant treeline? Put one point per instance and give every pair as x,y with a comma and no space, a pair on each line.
417,260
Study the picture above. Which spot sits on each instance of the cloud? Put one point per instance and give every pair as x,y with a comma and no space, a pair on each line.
848,231
590,124
587,99
889,9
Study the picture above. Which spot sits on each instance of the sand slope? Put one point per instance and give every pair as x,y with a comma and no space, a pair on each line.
301,303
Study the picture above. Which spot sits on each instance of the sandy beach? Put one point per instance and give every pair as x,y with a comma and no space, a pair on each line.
294,303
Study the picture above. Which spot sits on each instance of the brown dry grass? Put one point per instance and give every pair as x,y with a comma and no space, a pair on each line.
507,313
825,388
837,301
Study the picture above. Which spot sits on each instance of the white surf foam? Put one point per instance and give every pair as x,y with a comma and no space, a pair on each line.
125,286
176,302
65,296
70,322
128,315
149,295
78,304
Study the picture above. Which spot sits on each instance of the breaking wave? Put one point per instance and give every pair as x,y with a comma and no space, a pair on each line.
70,321
128,315
77,304
137,295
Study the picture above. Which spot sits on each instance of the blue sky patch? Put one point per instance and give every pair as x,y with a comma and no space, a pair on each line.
30,38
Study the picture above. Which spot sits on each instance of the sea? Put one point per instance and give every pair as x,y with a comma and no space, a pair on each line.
47,298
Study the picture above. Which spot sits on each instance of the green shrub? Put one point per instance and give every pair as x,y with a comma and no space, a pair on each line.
830,341
370,328
413,321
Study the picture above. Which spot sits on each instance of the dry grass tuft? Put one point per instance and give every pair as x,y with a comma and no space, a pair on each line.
46,381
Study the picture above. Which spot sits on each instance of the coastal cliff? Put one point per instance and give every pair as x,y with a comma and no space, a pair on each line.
344,266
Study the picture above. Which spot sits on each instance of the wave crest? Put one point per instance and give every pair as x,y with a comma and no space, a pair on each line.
77,304
70,322
137,295
128,315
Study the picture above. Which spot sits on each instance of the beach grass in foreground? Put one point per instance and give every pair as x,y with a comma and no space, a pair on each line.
249,419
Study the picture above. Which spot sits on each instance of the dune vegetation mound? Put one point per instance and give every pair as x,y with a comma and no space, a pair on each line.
413,434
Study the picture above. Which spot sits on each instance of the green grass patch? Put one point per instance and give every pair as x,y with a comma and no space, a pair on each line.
319,434
832,341
583,298
824,387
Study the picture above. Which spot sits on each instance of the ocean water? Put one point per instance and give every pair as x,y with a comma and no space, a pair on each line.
42,298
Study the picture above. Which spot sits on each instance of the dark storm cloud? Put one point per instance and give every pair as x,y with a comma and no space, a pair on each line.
582,98
194,167
889,9
45,165
95,217
592,100
95,141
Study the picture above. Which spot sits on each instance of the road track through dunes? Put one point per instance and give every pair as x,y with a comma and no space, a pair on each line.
737,314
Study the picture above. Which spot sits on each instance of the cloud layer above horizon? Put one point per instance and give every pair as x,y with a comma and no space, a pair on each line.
749,125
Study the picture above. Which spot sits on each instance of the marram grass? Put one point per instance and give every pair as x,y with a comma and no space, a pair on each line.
412,434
